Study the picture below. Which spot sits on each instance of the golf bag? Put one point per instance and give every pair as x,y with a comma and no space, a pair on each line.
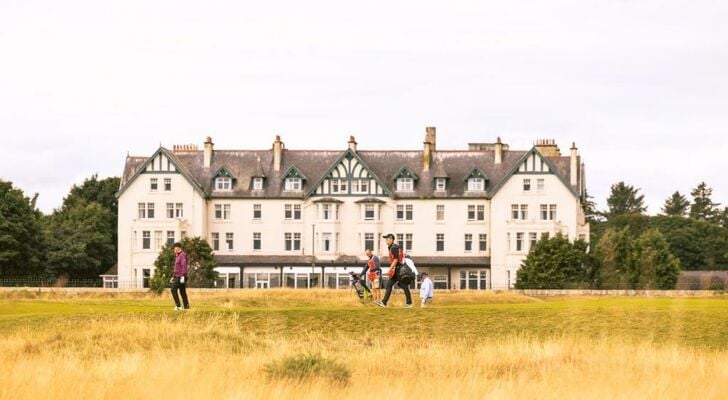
360,286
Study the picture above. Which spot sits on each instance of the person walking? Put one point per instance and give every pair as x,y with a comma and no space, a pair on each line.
396,258
374,274
426,290
179,277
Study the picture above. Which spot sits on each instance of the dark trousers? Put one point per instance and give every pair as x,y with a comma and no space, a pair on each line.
182,287
390,286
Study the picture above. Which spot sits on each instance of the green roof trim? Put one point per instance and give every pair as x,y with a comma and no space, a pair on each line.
405,172
293,172
553,170
177,165
348,154
224,172
475,172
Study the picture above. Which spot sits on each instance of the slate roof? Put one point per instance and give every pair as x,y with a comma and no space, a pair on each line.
313,164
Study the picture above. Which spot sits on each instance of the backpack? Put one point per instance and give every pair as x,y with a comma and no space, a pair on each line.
406,274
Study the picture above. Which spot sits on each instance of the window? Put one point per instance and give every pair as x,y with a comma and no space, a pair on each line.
548,212
222,211
146,240
440,212
405,184
360,186
150,210
292,211
292,241
256,241
153,184
476,184
142,210
532,239
519,211
326,244
257,183
157,240
146,275
519,241
539,185
170,238
339,186
293,184
257,211
326,212
526,185
400,212
473,215
482,242
468,242
408,212
170,210
369,241
229,241
369,212
440,184
179,211
167,184
223,183
440,239
215,241
407,242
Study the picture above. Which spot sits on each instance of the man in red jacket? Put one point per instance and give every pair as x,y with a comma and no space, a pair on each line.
396,258
179,277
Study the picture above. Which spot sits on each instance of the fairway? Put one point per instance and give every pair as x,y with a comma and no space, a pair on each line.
325,344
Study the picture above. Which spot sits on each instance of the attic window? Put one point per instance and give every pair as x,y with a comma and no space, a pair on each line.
476,184
405,184
223,183
440,184
257,183
293,184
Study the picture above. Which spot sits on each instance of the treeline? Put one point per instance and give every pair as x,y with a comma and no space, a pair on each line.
78,240
631,250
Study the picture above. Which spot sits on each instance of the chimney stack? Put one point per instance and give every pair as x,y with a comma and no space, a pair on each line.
573,170
277,153
548,148
498,151
352,144
430,146
208,152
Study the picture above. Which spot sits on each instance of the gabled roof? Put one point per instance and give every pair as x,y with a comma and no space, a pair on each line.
293,172
551,162
475,172
405,172
225,172
134,168
347,154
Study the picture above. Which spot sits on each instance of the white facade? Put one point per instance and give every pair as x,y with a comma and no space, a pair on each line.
465,240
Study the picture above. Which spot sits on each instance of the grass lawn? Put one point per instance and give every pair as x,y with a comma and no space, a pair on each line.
321,343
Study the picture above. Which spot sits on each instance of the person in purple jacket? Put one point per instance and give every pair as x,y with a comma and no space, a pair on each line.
179,277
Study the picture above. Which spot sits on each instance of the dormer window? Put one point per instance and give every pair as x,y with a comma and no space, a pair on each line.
476,184
223,183
293,184
440,184
257,183
405,184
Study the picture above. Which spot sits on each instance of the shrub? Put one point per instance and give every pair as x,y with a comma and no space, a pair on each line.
716,283
307,366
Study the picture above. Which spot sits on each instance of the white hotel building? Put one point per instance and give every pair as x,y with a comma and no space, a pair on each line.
302,218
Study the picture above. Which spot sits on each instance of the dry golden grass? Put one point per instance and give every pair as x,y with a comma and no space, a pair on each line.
223,350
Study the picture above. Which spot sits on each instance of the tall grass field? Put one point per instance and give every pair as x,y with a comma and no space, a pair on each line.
286,344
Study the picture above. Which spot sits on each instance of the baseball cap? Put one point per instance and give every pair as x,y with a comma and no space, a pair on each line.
389,235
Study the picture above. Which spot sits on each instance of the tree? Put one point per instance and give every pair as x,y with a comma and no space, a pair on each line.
21,237
657,267
614,256
590,209
103,192
200,260
554,263
79,241
625,199
676,205
703,208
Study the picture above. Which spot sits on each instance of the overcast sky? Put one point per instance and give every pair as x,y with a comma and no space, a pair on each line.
640,86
